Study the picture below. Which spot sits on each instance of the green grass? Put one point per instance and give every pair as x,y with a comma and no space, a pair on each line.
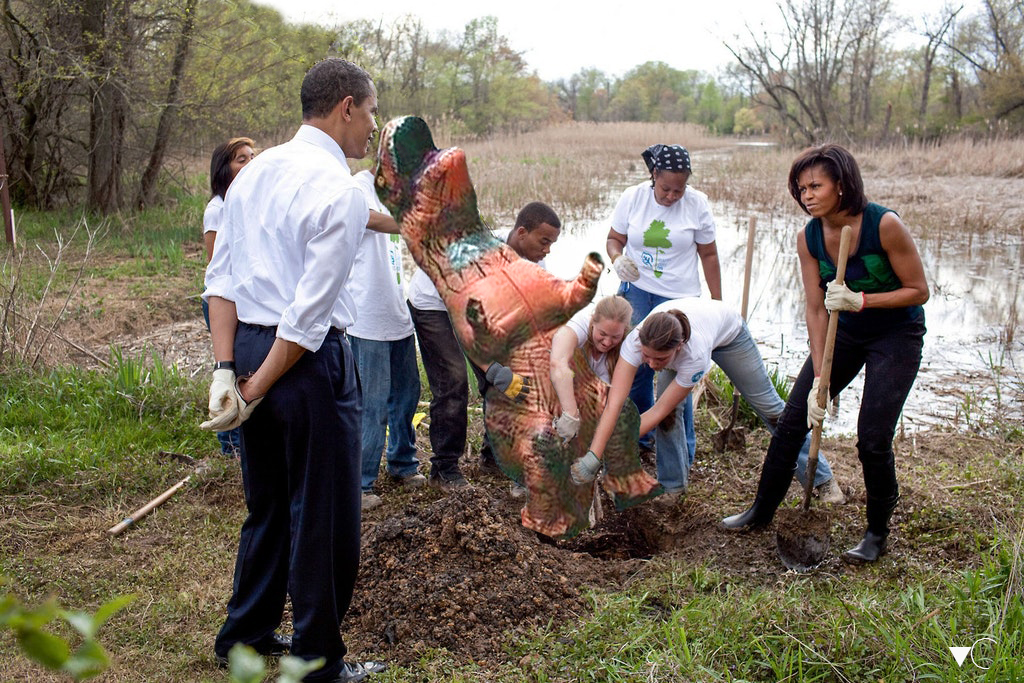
722,388
692,623
145,243
679,623
69,424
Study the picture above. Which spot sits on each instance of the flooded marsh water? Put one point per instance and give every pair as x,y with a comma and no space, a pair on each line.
973,350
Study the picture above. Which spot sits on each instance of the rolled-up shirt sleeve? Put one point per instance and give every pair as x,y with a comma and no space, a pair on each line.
338,226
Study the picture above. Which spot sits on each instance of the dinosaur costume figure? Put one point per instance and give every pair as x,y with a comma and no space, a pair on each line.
505,309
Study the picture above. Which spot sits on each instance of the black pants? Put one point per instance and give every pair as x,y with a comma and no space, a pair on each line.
445,366
300,462
890,361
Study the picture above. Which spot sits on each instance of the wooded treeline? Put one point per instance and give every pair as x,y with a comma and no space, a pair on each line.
102,100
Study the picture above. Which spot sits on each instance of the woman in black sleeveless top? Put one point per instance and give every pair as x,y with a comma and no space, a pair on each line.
881,329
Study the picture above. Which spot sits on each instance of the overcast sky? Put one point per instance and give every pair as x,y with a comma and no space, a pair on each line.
560,37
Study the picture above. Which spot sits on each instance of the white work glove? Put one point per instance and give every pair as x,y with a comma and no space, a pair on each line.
516,387
223,404
626,269
839,297
244,408
567,426
585,469
815,412
241,412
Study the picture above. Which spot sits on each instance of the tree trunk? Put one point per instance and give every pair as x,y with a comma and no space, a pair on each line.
147,187
926,83
104,34
931,50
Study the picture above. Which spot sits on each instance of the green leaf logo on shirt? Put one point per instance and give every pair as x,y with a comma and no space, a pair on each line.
656,237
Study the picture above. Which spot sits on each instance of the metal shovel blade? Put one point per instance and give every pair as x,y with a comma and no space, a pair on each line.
801,538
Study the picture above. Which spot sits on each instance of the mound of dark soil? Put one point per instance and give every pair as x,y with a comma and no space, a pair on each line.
458,573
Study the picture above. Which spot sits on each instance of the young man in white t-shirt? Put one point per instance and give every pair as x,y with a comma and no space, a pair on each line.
385,351
537,228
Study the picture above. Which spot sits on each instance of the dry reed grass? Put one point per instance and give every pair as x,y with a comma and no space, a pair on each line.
953,188
574,167
998,157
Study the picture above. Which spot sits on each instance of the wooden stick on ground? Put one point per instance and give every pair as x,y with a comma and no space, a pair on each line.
147,508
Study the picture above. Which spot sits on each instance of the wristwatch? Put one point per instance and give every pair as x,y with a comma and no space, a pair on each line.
224,365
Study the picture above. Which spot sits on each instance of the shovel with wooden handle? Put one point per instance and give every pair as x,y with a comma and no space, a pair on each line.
802,539
727,438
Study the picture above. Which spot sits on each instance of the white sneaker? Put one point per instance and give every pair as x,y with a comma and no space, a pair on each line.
830,492
518,491
371,500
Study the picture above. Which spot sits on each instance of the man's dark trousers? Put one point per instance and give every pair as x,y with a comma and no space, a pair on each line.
301,471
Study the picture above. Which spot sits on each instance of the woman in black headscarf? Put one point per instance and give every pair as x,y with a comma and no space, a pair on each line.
660,229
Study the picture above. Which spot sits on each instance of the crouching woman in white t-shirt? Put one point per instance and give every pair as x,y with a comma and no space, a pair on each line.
597,330
680,339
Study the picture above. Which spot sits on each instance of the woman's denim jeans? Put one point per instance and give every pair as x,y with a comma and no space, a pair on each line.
742,363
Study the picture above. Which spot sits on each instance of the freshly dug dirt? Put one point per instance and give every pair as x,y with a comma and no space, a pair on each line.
458,573
457,570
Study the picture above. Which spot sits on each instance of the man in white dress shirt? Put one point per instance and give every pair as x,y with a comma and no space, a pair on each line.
278,313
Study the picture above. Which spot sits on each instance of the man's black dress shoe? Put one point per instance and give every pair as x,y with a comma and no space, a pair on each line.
274,646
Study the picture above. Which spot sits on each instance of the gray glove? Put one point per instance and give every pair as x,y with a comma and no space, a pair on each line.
223,402
626,269
516,387
567,426
585,469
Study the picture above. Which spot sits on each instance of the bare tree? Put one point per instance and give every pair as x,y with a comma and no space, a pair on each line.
1004,78
38,107
869,31
935,30
147,186
107,51
799,73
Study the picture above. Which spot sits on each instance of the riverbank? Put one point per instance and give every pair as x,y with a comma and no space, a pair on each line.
453,588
